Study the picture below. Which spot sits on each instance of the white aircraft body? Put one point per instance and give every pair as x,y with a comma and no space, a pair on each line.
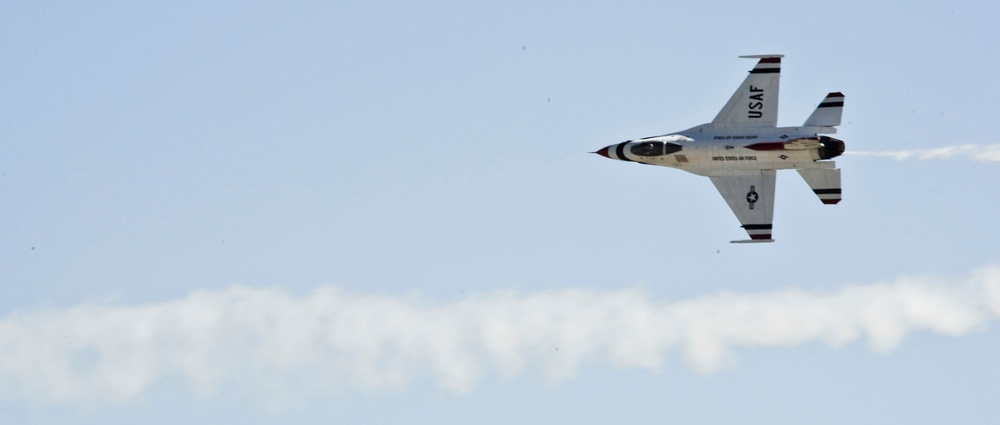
742,148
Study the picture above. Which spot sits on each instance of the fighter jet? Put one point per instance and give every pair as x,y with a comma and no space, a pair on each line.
742,149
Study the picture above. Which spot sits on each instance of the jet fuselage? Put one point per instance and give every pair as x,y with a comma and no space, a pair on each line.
710,152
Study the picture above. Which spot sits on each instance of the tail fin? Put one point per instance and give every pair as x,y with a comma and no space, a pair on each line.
827,114
825,183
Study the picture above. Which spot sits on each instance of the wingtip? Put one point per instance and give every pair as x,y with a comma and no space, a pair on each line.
754,241
762,56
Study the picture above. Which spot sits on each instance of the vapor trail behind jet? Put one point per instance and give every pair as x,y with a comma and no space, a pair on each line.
979,153
277,346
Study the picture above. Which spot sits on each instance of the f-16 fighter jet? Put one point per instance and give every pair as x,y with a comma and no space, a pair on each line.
742,149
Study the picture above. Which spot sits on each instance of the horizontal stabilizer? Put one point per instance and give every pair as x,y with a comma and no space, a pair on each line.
754,241
825,183
828,113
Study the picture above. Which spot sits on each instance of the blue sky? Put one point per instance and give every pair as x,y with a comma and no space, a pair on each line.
173,174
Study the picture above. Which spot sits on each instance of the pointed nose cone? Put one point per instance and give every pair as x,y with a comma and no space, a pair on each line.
603,152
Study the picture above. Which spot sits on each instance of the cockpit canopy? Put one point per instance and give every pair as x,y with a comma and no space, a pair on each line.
654,148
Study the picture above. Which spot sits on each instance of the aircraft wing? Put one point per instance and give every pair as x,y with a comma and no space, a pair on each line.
750,194
755,103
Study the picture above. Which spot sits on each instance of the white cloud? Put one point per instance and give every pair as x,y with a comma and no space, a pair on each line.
268,343
980,153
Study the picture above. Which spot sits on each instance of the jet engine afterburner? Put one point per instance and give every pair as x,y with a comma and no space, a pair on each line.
832,148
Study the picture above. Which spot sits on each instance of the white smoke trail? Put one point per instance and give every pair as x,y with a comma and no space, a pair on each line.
979,153
280,347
